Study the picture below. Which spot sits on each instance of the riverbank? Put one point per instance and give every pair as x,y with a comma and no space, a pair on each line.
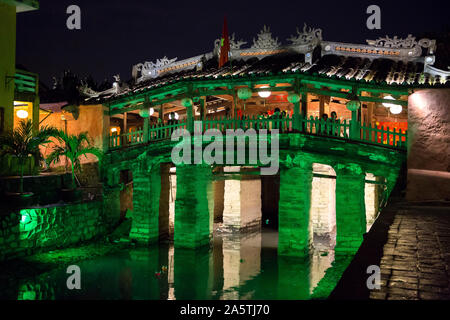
410,242
18,269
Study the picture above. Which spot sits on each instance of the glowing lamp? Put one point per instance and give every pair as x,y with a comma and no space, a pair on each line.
244,93
145,113
396,109
264,94
186,102
389,105
293,98
113,130
26,218
176,116
22,114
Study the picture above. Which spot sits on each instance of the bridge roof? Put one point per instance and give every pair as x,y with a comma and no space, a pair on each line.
386,63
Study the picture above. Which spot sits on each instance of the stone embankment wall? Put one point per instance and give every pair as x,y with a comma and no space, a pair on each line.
429,145
28,231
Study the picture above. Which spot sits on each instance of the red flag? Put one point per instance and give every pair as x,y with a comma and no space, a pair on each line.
224,45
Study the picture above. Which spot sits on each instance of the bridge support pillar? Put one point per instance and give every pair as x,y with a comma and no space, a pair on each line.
350,207
146,195
193,212
294,207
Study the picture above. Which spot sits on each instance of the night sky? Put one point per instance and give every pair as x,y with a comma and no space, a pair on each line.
115,34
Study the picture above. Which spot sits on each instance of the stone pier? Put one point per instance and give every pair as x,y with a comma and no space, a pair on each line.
350,207
193,216
294,208
146,195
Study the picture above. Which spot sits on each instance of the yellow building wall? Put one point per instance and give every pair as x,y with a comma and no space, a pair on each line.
91,119
7,63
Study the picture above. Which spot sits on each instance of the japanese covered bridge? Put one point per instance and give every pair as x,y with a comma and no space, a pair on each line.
362,88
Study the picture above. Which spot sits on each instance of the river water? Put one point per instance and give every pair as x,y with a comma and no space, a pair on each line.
243,267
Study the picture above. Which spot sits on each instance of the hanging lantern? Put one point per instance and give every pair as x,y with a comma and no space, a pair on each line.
244,93
293,98
388,105
396,109
353,105
264,94
145,113
187,102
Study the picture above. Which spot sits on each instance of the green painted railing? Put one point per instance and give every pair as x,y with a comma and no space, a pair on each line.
161,132
313,126
25,81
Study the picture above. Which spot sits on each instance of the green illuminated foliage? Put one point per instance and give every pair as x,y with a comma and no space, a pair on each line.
73,147
22,144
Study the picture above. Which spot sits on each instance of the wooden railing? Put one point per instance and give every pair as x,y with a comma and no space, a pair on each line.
128,139
313,126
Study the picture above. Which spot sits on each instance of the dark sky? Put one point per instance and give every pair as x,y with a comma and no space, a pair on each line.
118,34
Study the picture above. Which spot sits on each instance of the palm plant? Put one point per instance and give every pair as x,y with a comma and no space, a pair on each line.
22,144
73,147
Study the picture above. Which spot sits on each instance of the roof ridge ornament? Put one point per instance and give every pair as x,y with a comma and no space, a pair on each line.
151,70
407,43
265,40
308,36
116,89
236,44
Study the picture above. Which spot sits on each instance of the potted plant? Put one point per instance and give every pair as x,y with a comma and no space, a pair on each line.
72,147
21,143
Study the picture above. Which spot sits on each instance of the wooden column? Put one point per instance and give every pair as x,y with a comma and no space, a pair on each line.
321,106
125,128
146,120
304,107
190,118
305,104
146,128
297,116
203,108
161,113
370,108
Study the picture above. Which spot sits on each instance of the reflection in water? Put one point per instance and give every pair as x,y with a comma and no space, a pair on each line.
235,267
